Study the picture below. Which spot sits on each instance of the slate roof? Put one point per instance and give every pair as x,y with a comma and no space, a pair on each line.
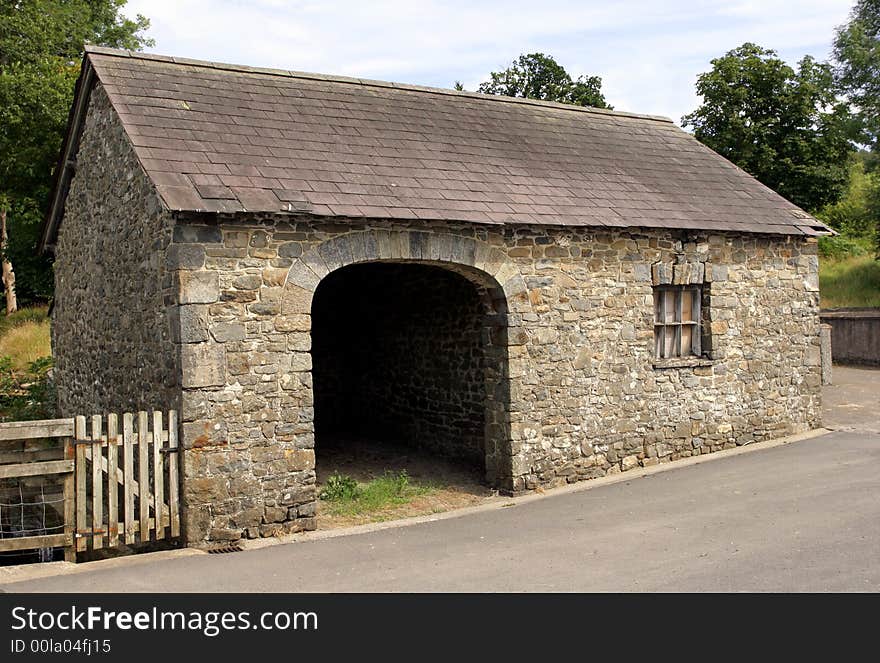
228,138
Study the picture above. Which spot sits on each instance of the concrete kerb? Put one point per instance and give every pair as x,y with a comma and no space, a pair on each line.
22,572
12,574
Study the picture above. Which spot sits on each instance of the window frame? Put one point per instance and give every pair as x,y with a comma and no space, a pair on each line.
665,293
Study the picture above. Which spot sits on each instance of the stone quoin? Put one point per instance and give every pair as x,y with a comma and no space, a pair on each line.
551,292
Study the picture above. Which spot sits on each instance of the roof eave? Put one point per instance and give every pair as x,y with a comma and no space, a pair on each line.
66,165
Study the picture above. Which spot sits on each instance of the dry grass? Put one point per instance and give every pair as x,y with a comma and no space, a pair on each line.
24,337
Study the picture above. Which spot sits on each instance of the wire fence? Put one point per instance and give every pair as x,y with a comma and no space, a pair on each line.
31,507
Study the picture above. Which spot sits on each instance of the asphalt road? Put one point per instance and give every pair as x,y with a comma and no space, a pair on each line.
798,517
852,403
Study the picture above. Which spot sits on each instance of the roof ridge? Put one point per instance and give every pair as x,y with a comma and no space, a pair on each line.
103,50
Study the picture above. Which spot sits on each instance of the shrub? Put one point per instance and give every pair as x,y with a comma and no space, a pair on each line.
840,247
29,394
339,488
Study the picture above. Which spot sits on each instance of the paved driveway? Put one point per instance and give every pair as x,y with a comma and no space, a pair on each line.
853,401
798,517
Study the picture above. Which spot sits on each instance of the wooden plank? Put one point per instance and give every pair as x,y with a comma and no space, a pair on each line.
128,474
27,542
69,493
679,296
144,475
32,455
158,474
120,476
97,487
112,480
173,507
81,542
35,469
28,430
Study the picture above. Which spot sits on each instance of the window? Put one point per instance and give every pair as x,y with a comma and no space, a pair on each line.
677,321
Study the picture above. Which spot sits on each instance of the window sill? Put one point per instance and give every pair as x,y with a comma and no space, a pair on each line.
684,362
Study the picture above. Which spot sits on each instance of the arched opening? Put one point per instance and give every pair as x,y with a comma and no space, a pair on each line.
410,356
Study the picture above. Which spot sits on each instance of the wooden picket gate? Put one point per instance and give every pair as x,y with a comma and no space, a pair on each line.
126,480
120,484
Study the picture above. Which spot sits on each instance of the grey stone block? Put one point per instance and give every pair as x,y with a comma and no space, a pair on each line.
193,323
193,234
223,332
203,365
199,287
185,256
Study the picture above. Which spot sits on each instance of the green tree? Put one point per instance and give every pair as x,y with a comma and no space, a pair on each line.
784,126
41,45
857,58
539,76
855,214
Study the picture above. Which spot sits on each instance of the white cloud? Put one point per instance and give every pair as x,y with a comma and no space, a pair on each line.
648,53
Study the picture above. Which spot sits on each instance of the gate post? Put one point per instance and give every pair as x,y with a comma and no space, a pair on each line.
69,504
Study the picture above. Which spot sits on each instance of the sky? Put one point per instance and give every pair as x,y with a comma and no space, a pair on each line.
648,54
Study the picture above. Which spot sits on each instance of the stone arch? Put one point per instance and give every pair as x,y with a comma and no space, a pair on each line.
473,259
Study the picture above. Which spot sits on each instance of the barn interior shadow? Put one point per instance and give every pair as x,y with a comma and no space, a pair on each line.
403,370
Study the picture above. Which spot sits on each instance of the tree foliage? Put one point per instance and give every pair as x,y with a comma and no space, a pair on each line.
784,126
539,76
857,55
858,209
41,45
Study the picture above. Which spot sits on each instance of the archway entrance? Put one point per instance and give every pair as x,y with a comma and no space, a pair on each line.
410,355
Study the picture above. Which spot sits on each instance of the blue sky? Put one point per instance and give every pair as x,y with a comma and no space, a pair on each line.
647,53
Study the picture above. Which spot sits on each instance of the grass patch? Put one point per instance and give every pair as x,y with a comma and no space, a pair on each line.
852,281
26,342
24,336
346,497
39,314
26,392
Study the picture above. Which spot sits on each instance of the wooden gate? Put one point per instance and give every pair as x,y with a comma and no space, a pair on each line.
126,480
120,478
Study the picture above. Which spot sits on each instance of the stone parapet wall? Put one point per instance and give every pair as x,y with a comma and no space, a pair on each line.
855,335
583,397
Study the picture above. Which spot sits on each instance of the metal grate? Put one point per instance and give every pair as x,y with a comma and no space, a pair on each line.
222,550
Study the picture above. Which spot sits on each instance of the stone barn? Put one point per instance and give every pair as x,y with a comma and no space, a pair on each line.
550,293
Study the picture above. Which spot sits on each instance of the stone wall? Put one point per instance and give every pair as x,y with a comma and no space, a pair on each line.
398,356
577,394
855,335
111,327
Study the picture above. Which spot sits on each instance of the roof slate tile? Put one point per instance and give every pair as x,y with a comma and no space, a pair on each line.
228,138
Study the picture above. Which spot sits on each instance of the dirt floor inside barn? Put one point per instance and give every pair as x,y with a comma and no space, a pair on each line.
444,484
